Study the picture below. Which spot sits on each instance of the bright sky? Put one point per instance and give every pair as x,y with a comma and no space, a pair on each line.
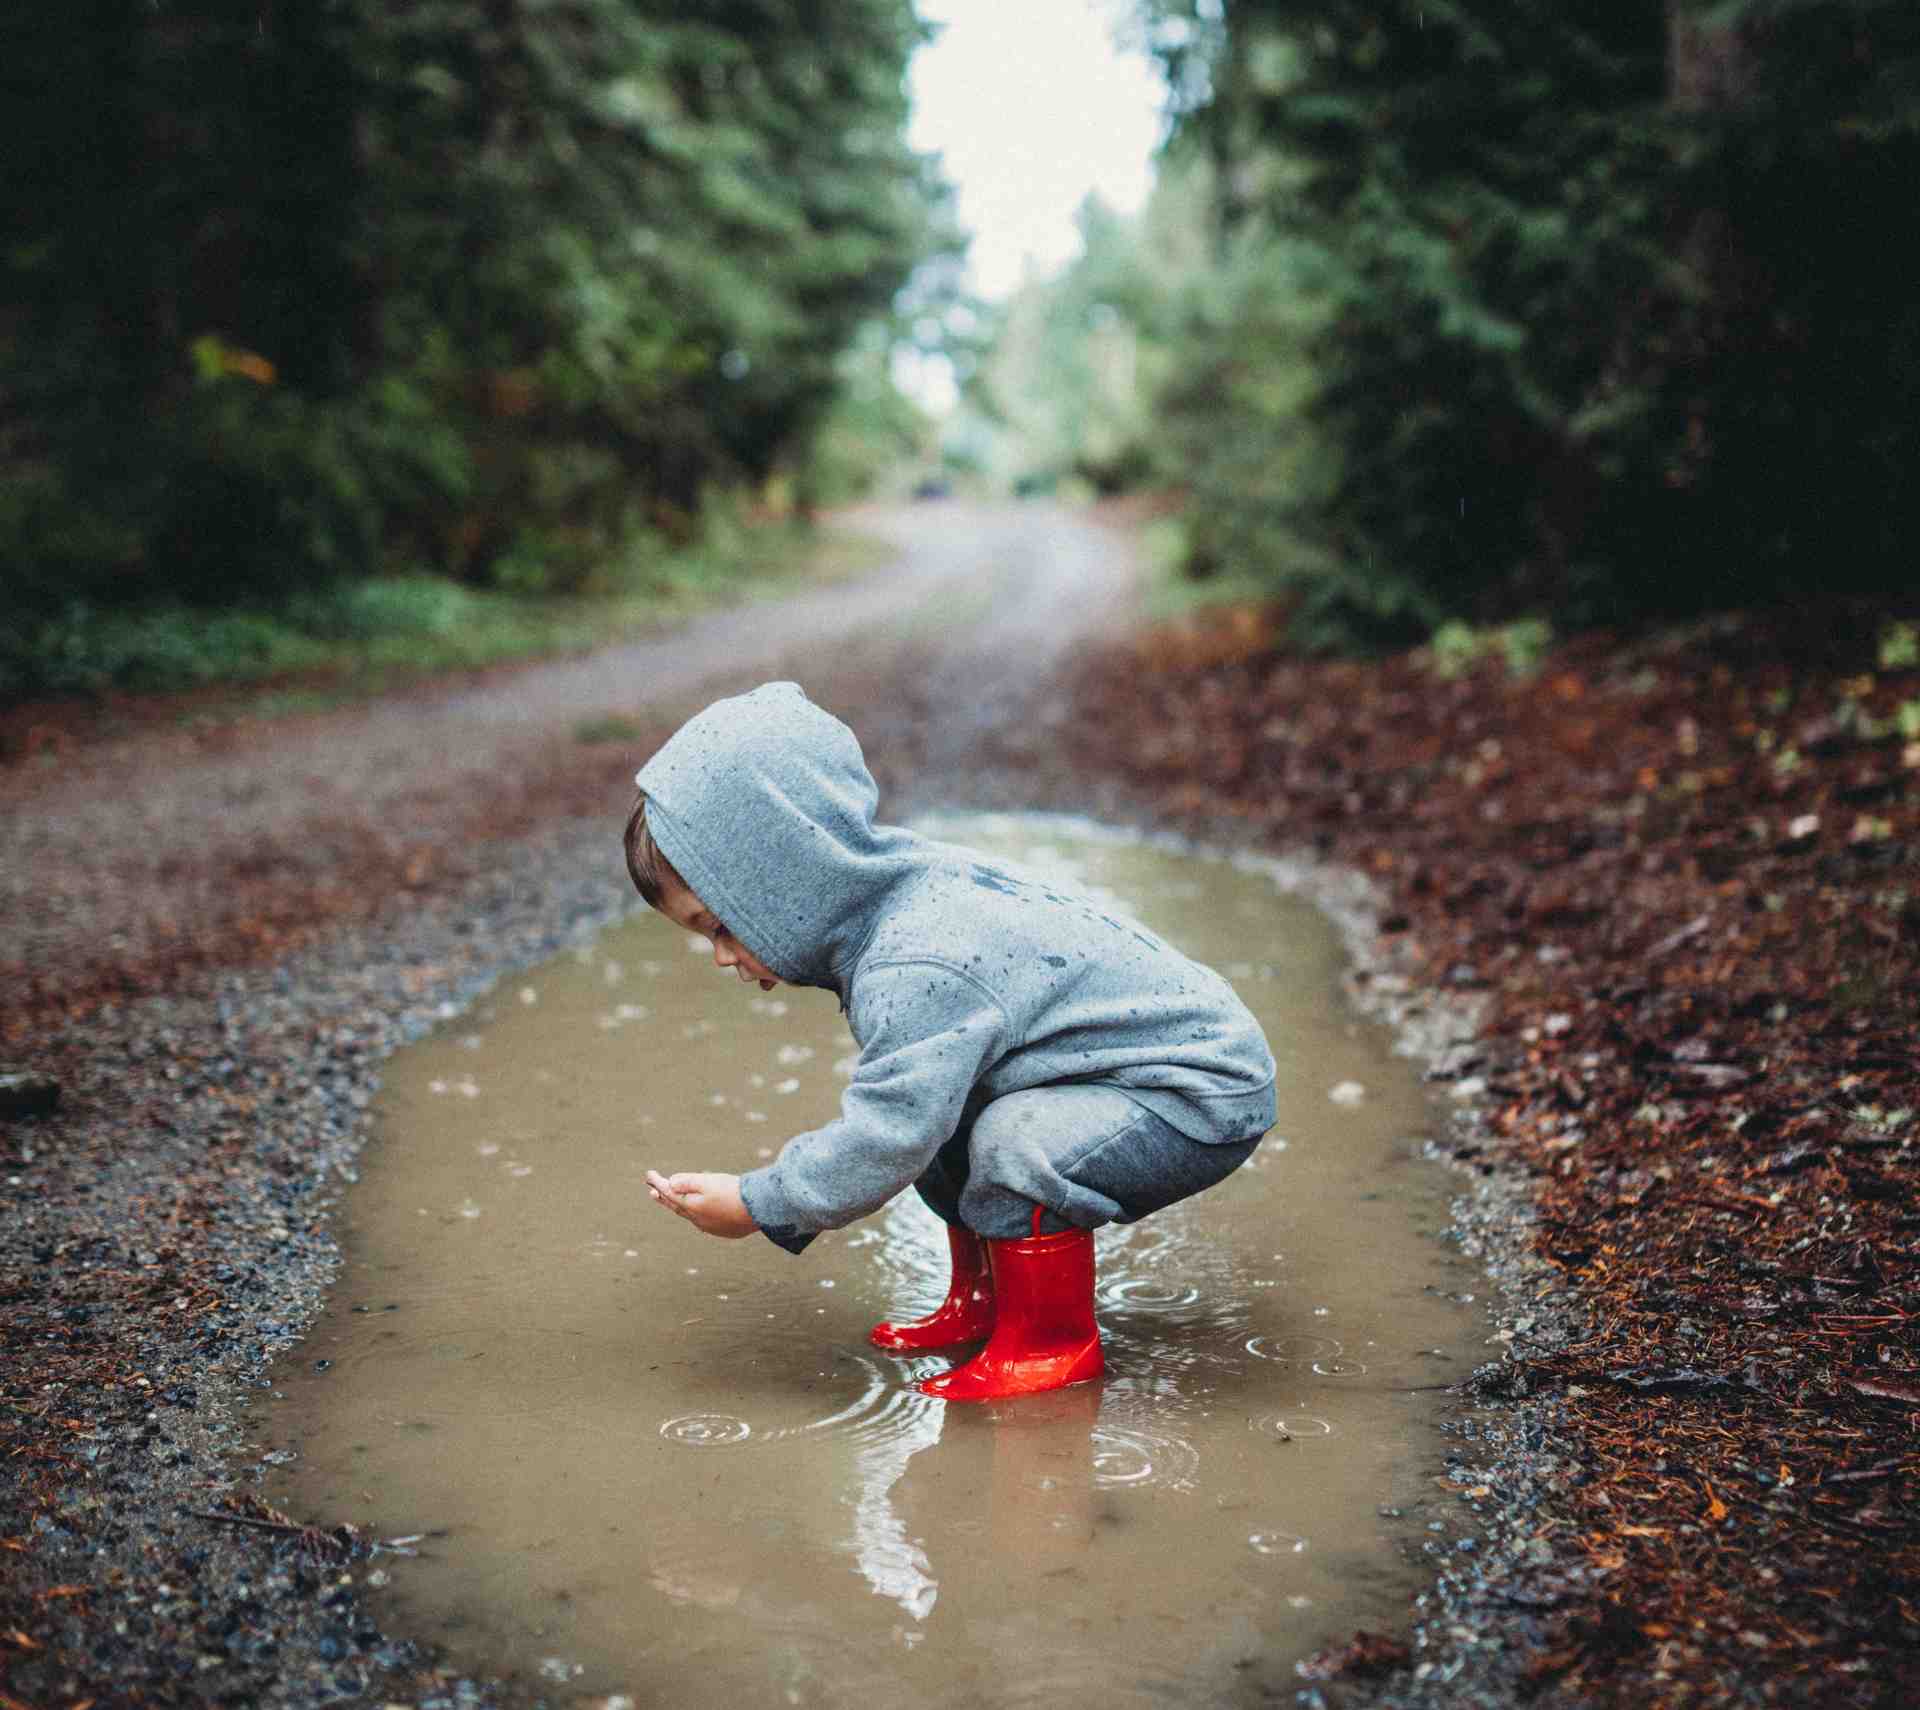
1031,105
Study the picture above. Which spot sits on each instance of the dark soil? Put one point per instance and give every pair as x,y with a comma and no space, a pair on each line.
1685,873
1674,878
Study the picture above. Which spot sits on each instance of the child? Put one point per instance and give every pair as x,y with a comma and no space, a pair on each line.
1033,1064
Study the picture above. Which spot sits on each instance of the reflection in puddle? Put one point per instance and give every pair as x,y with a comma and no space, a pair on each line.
673,1468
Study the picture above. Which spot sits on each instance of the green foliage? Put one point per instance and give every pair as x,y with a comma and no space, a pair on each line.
54,545
401,607
871,429
357,630
1074,361
1899,647
291,295
1456,648
1582,309
84,648
260,490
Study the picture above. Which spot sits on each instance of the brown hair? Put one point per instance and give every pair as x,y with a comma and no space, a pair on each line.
650,871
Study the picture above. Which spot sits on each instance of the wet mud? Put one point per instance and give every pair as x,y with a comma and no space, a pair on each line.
655,1464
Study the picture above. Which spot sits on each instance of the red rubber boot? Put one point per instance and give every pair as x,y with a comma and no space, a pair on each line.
1044,1335
966,1315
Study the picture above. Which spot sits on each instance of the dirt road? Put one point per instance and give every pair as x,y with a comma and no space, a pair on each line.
190,846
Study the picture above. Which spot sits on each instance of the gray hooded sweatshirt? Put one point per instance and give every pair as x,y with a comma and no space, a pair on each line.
956,973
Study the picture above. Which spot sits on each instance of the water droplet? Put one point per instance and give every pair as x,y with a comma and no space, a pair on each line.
528,995
487,1148
1347,1092
469,1209
790,1055
787,1086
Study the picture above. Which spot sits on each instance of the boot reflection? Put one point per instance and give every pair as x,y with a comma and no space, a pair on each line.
1040,1503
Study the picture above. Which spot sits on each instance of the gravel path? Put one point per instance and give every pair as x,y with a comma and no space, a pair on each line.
247,920
196,845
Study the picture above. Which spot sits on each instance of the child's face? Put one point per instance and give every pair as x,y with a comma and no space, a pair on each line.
683,908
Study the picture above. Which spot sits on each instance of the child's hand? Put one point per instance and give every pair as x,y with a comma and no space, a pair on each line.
708,1200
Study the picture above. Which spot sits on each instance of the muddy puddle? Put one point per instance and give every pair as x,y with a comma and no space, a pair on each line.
670,1468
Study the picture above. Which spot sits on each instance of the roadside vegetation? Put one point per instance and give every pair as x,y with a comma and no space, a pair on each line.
358,637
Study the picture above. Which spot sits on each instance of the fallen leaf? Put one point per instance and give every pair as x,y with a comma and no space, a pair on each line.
1888,1389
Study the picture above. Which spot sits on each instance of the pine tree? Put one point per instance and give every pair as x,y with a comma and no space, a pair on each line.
1544,302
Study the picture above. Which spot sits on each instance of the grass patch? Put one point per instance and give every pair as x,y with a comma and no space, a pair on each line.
320,647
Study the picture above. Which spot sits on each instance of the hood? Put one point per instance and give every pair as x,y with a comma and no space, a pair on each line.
764,805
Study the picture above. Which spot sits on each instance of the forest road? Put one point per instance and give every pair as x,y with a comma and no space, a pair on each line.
181,846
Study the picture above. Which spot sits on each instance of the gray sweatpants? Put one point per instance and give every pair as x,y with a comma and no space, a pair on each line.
1086,1153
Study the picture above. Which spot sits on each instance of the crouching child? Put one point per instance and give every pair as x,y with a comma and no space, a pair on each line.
1033,1063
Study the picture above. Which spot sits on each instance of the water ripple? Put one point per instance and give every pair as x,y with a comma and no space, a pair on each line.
1142,1450
1295,1350
706,1430
1277,1543
884,1409
1146,1294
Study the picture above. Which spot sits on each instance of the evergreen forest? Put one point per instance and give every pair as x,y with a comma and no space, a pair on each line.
1483,313
337,318
348,309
